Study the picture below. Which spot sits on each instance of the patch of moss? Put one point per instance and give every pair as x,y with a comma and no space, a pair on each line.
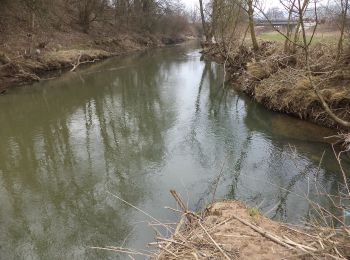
254,212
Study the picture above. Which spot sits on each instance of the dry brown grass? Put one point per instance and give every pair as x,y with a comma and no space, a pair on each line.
279,81
24,68
290,91
69,56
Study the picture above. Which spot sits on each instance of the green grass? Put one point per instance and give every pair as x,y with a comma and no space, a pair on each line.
271,36
254,212
326,37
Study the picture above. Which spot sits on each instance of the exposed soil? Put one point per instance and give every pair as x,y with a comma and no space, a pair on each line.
230,230
24,69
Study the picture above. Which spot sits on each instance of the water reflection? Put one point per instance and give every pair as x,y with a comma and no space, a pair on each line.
138,126
274,162
68,141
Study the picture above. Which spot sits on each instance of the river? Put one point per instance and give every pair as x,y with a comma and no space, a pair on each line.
137,126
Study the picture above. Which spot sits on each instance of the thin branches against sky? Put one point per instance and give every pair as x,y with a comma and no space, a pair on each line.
266,3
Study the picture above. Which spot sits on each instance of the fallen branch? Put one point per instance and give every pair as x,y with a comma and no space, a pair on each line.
263,233
78,63
75,65
121,250
216,244
190,215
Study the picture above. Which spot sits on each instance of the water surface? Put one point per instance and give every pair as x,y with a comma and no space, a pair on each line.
138,126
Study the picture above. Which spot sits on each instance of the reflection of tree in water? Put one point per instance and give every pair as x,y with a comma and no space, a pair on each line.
294,173
233,168
238,164
214,95
226,145
195,143
283,130
211,79
63,149
279,178
198,99
217,93
284,192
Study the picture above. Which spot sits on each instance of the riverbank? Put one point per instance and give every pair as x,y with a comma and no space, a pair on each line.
39,38
231,230
278,81
26,69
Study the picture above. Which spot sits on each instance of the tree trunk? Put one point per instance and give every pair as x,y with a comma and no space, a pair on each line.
345,8
215,18
205,29
251,25
289,28
33,21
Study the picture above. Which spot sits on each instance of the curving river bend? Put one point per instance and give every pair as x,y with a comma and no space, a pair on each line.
138,126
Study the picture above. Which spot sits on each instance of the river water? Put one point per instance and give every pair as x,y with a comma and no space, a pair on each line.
138,126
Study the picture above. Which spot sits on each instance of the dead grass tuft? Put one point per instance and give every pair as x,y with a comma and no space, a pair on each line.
291,92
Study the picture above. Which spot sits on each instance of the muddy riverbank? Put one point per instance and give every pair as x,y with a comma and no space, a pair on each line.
26,69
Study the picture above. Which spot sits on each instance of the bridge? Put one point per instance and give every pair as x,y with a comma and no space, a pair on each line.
275,22
283,23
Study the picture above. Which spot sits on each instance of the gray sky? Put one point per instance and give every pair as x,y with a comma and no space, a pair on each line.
269,3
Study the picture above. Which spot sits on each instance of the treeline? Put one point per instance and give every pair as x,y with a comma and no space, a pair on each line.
223,19
154,16
37,36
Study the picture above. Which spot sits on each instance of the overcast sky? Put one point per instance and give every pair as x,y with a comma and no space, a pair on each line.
269,3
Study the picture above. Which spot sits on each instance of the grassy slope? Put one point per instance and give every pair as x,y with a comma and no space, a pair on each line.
323,37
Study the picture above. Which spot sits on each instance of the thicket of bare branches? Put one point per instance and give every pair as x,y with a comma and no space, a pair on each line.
140,15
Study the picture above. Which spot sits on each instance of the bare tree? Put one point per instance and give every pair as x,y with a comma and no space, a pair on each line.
89,11
250,12
31,5
246,5
275,13
290,8
121,11
206,28
302,10
344,11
